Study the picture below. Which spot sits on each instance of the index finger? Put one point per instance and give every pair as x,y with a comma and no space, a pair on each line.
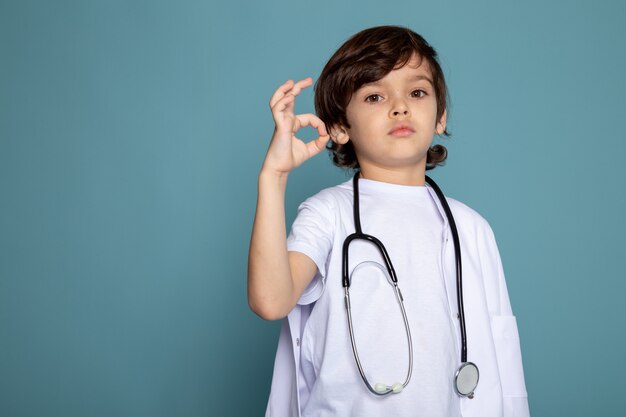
297,87
286,87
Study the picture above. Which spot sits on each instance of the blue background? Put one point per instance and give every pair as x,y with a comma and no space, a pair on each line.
132,134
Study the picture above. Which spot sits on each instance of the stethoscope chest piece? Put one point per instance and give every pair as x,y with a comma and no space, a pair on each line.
466,379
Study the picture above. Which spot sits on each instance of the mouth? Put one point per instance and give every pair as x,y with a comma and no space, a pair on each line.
402,131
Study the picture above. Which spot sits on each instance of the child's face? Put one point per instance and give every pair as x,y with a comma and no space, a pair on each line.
405,96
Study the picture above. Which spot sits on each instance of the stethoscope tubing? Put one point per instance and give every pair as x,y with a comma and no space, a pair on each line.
400,300
358,234
457,256
467,369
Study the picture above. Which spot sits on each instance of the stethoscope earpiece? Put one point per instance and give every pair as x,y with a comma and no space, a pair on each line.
386,389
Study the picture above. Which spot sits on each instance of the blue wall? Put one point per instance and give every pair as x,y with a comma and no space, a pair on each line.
131,137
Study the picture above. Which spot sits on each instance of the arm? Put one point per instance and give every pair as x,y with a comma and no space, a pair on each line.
504,329
276,277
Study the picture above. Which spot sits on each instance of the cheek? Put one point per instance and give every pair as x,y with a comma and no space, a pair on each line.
362,127
356,121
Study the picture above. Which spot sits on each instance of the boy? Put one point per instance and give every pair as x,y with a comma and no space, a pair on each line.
380,99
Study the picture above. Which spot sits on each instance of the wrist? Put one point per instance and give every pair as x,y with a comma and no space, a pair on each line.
268,175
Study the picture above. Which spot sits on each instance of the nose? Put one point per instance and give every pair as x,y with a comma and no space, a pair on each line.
399,108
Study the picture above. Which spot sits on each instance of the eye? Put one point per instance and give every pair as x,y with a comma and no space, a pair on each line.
367,99
417,91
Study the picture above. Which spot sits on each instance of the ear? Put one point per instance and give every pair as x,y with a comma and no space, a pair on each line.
339,134
441,125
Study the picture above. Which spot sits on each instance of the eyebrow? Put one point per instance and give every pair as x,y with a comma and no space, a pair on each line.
413,78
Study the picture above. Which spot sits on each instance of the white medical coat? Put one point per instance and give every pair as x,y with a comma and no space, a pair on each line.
492,335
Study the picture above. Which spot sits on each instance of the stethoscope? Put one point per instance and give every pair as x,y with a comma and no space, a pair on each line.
466,376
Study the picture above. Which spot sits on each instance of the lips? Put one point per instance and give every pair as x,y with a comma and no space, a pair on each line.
401,129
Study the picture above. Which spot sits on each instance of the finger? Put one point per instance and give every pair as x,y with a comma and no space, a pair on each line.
280,92
297,87
317,145
282,104
309,119
287,88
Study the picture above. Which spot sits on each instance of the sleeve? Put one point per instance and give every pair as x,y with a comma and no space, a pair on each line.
312,234
503,327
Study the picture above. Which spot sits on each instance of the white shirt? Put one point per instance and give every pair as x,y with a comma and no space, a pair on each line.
492,334
407,221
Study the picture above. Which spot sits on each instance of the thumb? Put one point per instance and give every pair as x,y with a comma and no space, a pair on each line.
317,145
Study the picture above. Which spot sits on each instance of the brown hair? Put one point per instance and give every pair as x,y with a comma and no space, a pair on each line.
367,57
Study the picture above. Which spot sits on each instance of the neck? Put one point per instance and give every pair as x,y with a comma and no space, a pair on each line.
404,176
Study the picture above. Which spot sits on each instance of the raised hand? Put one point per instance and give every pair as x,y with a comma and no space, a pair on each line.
286,151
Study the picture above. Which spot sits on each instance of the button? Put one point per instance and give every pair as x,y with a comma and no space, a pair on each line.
297,341
458,316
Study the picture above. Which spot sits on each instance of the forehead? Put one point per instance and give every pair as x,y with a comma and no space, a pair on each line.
415,69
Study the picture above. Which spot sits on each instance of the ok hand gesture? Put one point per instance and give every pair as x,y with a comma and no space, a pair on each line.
286,151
